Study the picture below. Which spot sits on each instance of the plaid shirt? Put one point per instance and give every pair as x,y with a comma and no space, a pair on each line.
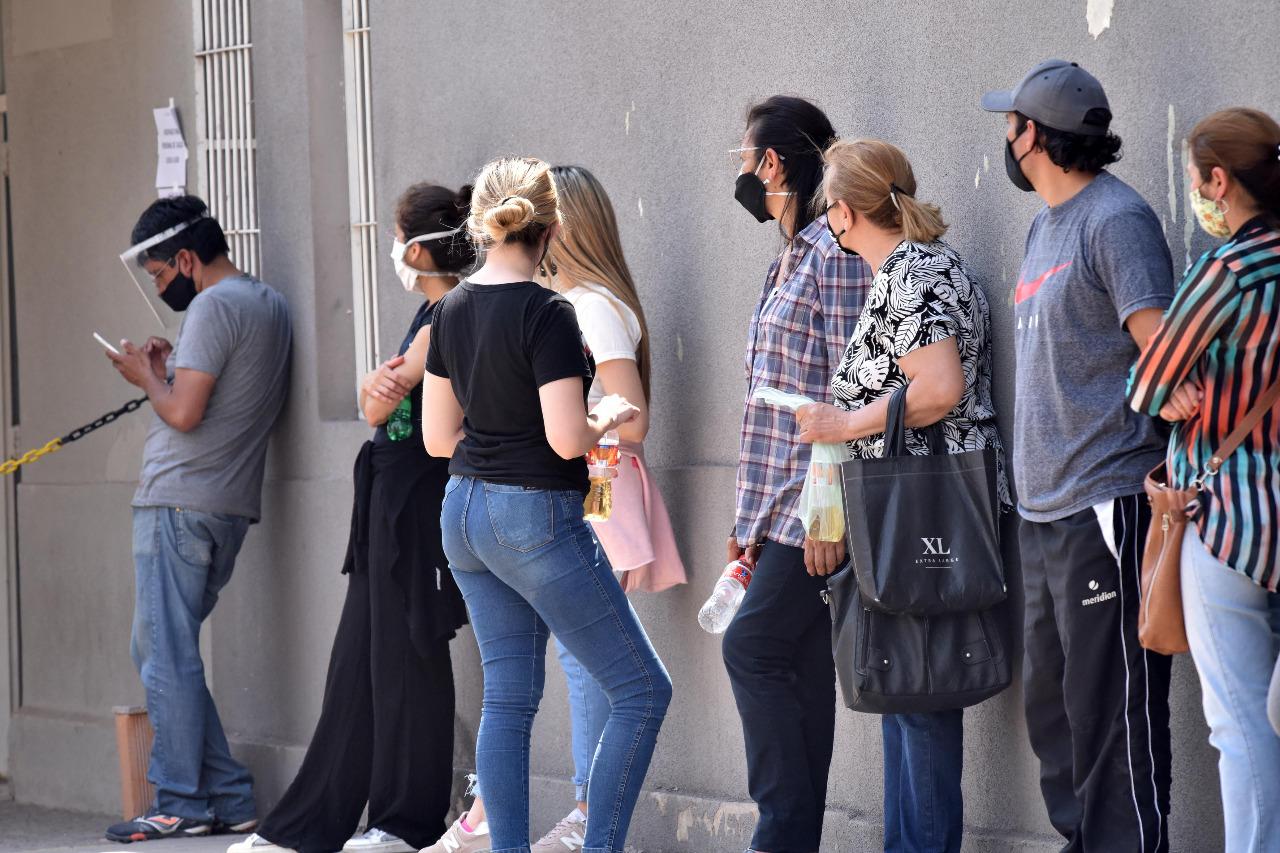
798,336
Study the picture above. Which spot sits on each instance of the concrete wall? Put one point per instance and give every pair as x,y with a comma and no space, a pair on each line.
648,97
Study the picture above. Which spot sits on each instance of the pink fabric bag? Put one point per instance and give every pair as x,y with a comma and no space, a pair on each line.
637,538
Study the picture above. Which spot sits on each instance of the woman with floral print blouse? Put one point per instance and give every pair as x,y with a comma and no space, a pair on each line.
924,325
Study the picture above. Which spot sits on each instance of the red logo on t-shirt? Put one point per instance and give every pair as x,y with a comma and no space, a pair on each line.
1027,289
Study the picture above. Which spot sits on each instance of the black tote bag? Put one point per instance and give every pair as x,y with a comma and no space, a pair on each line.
922,530
898,664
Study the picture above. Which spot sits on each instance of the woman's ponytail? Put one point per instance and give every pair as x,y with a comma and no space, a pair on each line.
875,179
921,221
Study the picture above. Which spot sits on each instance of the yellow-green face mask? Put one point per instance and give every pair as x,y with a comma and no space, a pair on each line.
1211,215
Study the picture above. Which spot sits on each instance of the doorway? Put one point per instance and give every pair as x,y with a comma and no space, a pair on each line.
10,685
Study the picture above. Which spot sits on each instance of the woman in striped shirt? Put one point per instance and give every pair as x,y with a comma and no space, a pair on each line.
1214,356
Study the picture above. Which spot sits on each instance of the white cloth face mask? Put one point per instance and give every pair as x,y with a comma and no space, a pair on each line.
408,275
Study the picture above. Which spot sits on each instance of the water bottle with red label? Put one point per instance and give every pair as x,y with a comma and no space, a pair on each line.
726,598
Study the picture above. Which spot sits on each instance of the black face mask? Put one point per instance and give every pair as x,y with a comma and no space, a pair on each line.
826,214
1013,167
180,291
750,192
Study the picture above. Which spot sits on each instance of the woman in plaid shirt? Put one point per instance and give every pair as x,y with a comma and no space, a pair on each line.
777,650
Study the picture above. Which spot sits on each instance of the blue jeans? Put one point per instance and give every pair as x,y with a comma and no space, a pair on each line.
588,713
182,560
528,566
923,806
1233,628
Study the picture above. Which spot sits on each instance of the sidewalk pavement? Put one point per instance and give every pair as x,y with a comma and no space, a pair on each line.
32,829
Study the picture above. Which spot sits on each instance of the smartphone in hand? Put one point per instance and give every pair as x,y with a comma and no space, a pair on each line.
100,339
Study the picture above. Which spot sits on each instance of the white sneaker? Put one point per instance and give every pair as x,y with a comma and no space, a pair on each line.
457,840
567,836
374,840
257,844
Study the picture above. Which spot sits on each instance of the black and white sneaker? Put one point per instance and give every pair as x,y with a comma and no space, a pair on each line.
221,827
377,841
153,826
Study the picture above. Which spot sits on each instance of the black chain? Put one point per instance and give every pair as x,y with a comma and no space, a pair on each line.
81,432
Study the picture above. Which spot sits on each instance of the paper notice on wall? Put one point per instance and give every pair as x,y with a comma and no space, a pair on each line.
171,153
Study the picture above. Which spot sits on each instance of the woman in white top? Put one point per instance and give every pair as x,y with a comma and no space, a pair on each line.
586,265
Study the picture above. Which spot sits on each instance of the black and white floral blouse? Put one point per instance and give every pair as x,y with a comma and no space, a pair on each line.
921,295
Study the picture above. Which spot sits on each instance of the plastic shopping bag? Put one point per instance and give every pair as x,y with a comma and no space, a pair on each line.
822,496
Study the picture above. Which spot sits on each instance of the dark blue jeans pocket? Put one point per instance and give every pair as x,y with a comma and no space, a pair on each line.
522,519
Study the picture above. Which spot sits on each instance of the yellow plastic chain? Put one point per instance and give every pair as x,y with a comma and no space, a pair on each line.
10,465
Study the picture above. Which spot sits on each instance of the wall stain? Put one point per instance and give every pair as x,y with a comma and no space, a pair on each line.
728,817
1169,162
1189,221
1098,15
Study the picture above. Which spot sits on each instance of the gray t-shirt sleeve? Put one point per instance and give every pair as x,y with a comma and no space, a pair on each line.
1131,259
208,337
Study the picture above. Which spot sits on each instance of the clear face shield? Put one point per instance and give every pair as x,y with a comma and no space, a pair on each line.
142,279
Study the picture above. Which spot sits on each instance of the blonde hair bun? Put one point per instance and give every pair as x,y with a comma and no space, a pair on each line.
514,200
510,215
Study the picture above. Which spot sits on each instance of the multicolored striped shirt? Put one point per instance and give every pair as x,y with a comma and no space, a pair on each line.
812,297
1224,329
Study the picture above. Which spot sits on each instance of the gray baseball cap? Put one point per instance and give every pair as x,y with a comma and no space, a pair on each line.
1057,94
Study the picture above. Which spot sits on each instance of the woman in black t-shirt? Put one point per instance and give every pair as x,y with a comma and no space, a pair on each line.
385,734
505,396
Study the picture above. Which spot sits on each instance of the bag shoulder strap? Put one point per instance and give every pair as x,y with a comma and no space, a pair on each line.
895,427
895,432
1269,398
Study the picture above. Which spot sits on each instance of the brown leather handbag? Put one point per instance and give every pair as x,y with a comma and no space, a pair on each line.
1160,625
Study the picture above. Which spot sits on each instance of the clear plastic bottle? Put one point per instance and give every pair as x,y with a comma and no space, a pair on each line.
400,424
726,598
602,461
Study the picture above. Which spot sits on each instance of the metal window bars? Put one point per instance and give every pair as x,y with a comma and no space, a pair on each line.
225,128
364,238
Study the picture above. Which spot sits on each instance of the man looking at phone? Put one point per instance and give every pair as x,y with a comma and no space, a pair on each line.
216,394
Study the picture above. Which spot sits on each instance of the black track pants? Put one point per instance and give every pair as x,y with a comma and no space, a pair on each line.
1097,703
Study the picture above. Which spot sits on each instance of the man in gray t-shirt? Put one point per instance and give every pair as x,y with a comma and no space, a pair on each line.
237,333
216,395
1094,283
1092,262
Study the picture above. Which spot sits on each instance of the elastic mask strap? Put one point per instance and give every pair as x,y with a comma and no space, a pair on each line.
756,172
433,236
